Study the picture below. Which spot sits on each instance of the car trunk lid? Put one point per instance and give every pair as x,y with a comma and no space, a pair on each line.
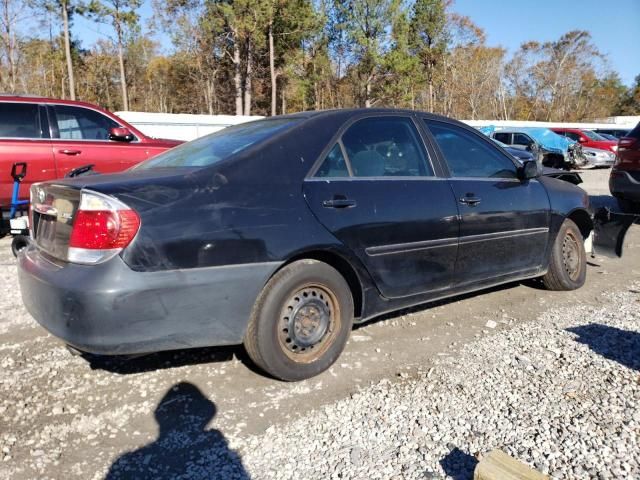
53,208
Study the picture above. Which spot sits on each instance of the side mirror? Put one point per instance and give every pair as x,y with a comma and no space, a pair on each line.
120,134
528,170
582,140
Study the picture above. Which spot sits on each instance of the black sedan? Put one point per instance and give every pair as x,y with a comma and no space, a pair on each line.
281,233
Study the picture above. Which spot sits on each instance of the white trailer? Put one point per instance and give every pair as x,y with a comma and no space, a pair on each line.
181,126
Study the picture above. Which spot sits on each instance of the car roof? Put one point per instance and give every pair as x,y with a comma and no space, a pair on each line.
37,99
347,113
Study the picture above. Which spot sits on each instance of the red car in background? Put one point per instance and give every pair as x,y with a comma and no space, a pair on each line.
54,137
624,182
587,138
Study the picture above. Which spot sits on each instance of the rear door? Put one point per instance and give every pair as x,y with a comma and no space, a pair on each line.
24,137
504,137
81,137
504,221
377,191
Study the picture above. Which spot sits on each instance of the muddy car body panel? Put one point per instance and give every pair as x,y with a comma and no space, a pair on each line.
372,193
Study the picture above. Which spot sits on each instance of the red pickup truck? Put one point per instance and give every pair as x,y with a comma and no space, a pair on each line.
56,136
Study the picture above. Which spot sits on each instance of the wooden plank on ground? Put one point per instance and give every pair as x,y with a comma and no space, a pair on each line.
497,465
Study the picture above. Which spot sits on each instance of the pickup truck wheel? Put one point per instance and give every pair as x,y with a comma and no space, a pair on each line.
301,321
568,262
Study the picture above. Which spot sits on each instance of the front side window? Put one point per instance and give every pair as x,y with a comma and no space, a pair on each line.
19,120
218,146
385,147
468,155
521,139
77,123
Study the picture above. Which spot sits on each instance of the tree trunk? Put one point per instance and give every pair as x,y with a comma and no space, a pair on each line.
431,96
367,94
123,77
10,45
272,72
237,75
67,50
247,79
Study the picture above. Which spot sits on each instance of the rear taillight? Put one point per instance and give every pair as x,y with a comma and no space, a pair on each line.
626,142
102,227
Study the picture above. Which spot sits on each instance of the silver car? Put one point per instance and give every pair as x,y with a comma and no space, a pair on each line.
596,157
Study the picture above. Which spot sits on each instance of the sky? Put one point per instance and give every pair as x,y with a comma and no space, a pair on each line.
613,24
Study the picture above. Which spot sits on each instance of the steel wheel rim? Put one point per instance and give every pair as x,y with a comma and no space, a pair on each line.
309,322
571,258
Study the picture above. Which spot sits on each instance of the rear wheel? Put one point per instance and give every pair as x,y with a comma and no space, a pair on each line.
19,243
568,262
301,321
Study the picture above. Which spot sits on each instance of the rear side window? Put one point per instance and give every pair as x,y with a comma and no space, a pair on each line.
19,120
467,155
334,165
573,136
76,123
385,147
220,145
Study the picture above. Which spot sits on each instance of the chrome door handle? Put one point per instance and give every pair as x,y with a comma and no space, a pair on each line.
339,203
470,201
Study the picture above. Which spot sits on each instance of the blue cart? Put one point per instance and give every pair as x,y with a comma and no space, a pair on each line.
14,218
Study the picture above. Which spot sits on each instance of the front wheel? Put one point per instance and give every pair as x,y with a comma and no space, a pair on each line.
301,321
568,262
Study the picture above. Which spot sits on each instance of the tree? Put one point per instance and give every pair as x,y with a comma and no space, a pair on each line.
366,24
402,72
122,16
428,38
12,14
629,104
289,23
65,9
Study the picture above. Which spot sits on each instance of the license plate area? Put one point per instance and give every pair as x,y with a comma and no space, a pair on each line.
53,211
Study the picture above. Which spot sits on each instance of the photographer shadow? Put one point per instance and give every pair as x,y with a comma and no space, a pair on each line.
184,448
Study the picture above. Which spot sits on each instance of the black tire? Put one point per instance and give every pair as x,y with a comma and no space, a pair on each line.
627,206
301,321
19,243
568,262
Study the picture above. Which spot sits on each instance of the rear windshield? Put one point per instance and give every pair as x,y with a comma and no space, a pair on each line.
218,146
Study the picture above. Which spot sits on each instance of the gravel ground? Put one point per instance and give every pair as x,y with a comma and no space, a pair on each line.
560,393
550,377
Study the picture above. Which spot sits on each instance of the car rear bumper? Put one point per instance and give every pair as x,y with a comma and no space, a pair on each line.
111,309
598,162
623,185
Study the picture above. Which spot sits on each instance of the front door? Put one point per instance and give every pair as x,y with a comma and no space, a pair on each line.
81,137
504,220
377,192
